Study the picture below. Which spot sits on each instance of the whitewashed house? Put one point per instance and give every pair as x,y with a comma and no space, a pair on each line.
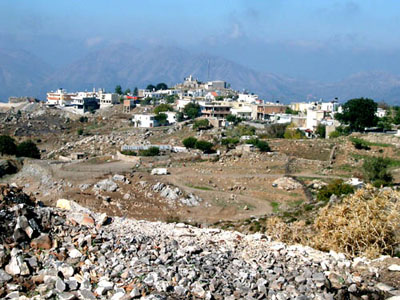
144,120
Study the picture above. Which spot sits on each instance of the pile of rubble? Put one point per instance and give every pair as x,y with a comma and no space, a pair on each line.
72,253
286,183
174,195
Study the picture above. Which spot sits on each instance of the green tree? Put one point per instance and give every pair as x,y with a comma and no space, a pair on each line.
385,123
162,107
204,146
161,118
359,114
161,86
336,187
7,145
396,115
170,99
127,91
376,170
150,87
201,124
189,142
118,90
192,110
291,111
230,142
152,151
135,91
321,131
261,145
28,149
293,133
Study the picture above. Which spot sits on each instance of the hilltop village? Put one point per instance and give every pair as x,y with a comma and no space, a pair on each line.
198,191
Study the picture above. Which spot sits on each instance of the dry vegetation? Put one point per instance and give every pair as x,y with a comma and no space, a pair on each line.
366,223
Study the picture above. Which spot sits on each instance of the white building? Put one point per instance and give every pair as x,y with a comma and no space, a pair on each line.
247,98
380,113
243,111
107,99
84,102
314,117
145,120
171,116
60,97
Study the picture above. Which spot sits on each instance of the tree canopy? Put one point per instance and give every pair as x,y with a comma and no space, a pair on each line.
162,107
28,149
150,87
118,90
7,145
192,110
358,114
161,86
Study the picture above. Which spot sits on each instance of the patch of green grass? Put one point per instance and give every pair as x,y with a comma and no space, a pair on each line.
367,143
295,203
275,206
393,163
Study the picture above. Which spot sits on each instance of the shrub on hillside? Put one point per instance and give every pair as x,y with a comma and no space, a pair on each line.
7,145
334,134
204,146
230,142
201,124
364,224
291,132
360,144
376,170
152,151
189,142
28,149
336,187
261,145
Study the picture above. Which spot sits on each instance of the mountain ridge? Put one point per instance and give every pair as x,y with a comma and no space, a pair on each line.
21,73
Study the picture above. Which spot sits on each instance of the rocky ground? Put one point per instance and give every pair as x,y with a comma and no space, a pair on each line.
70,252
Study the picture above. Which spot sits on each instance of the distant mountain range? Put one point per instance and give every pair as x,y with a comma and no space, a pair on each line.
22,74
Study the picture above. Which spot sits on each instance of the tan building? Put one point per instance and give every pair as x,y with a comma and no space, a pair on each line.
261,111
216,110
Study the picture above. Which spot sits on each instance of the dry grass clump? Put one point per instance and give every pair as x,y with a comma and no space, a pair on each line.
295,232
366,223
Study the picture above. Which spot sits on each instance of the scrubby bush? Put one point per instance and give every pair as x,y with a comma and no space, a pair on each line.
204,146
83,119
321,131
201,124
336,187
189,142
28,149
233,119
241,130
376,170
129,152
292,132
162,108
7,145
261,145
230,142
360,144
152,151
192,110
79,131
274,131
364,224
334,134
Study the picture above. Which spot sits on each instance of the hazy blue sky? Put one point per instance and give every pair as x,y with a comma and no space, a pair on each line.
313,39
